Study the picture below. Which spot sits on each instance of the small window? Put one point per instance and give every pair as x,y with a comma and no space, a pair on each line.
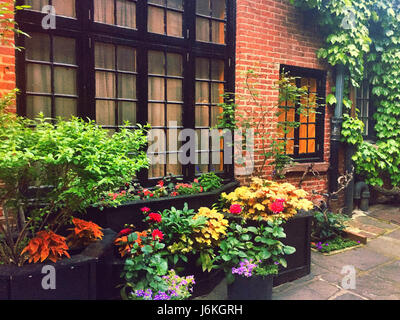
165,17
116,12
62,7
115,72
365,109
51,76
305,142
211,21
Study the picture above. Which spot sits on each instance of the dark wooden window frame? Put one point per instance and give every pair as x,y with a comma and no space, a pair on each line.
85,31
320,75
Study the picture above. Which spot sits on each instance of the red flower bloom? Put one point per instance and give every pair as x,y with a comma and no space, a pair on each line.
124,232
157,235
156,217
174,194
235,209
196,180
145,210
161,183
277,206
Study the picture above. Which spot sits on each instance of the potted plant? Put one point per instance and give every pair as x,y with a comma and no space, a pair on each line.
250,256
121,205
51,170
182,240
263,200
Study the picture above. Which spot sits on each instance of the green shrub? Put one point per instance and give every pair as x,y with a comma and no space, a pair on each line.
75,161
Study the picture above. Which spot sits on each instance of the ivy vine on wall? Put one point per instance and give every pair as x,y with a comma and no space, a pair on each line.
364,36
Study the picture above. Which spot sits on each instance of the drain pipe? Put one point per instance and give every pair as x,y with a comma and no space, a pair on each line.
336,131
349,192
362,194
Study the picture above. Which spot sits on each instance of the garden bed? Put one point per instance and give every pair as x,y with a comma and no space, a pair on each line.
334,246
79,278
129,213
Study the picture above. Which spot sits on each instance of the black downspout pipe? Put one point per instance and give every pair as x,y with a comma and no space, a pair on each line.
336,131
349,192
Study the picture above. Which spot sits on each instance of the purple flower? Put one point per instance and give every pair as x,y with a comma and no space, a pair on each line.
245,268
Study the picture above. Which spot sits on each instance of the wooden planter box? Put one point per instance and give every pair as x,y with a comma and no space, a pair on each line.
117,218
298,235
253,288
77,278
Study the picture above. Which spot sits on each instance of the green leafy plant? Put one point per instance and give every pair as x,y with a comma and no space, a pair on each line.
210,181
259,243
334,244
327,225
51,170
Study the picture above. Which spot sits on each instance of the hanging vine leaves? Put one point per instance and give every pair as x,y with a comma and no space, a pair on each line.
364,36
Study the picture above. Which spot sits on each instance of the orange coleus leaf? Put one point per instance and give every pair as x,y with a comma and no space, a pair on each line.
46,245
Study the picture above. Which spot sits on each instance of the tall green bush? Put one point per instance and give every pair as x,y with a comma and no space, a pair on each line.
51,170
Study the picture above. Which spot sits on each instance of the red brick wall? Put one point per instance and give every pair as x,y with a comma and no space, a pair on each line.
271,33
7,69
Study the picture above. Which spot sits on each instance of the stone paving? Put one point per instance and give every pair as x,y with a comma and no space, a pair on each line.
377,265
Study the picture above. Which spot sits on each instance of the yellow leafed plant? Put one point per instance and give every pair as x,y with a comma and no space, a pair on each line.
266,199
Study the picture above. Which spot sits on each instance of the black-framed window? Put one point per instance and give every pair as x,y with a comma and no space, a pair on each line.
365,109
305,143
132,60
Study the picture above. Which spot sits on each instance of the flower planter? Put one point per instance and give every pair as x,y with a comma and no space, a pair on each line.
253,288
298,235
78,278
129,213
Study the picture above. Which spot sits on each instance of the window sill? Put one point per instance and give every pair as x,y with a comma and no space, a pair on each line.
321,167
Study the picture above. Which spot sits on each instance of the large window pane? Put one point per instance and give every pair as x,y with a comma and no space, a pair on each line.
165,17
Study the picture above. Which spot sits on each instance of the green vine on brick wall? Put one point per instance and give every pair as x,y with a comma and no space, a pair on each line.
364,36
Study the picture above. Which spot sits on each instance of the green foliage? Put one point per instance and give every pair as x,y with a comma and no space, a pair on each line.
257,243
63,167
210,181
335,244
352,130
369,48
327,224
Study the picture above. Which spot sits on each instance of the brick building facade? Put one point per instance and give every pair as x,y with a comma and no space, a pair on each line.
269,34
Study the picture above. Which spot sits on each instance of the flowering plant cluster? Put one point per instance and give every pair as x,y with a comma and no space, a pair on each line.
266,199
253,250
172,236
169,186
178,288
245,268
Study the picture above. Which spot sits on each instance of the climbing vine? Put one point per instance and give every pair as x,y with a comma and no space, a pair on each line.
364,36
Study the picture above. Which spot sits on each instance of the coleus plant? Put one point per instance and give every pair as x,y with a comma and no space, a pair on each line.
84,233
46,245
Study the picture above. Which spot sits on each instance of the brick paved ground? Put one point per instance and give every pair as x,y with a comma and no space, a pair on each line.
377,264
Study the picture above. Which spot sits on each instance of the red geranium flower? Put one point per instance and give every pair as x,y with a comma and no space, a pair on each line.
157,235
156,217
277,206
235,209
124,232
161,183
145,210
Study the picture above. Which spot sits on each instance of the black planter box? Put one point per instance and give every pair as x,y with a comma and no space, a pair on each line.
298,235
253,288
78,278
116,218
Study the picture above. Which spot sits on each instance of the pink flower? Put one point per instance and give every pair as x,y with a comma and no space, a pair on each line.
157,234
235,209
145,210
156,217
277,206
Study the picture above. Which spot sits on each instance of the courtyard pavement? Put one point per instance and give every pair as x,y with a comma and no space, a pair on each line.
376,265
